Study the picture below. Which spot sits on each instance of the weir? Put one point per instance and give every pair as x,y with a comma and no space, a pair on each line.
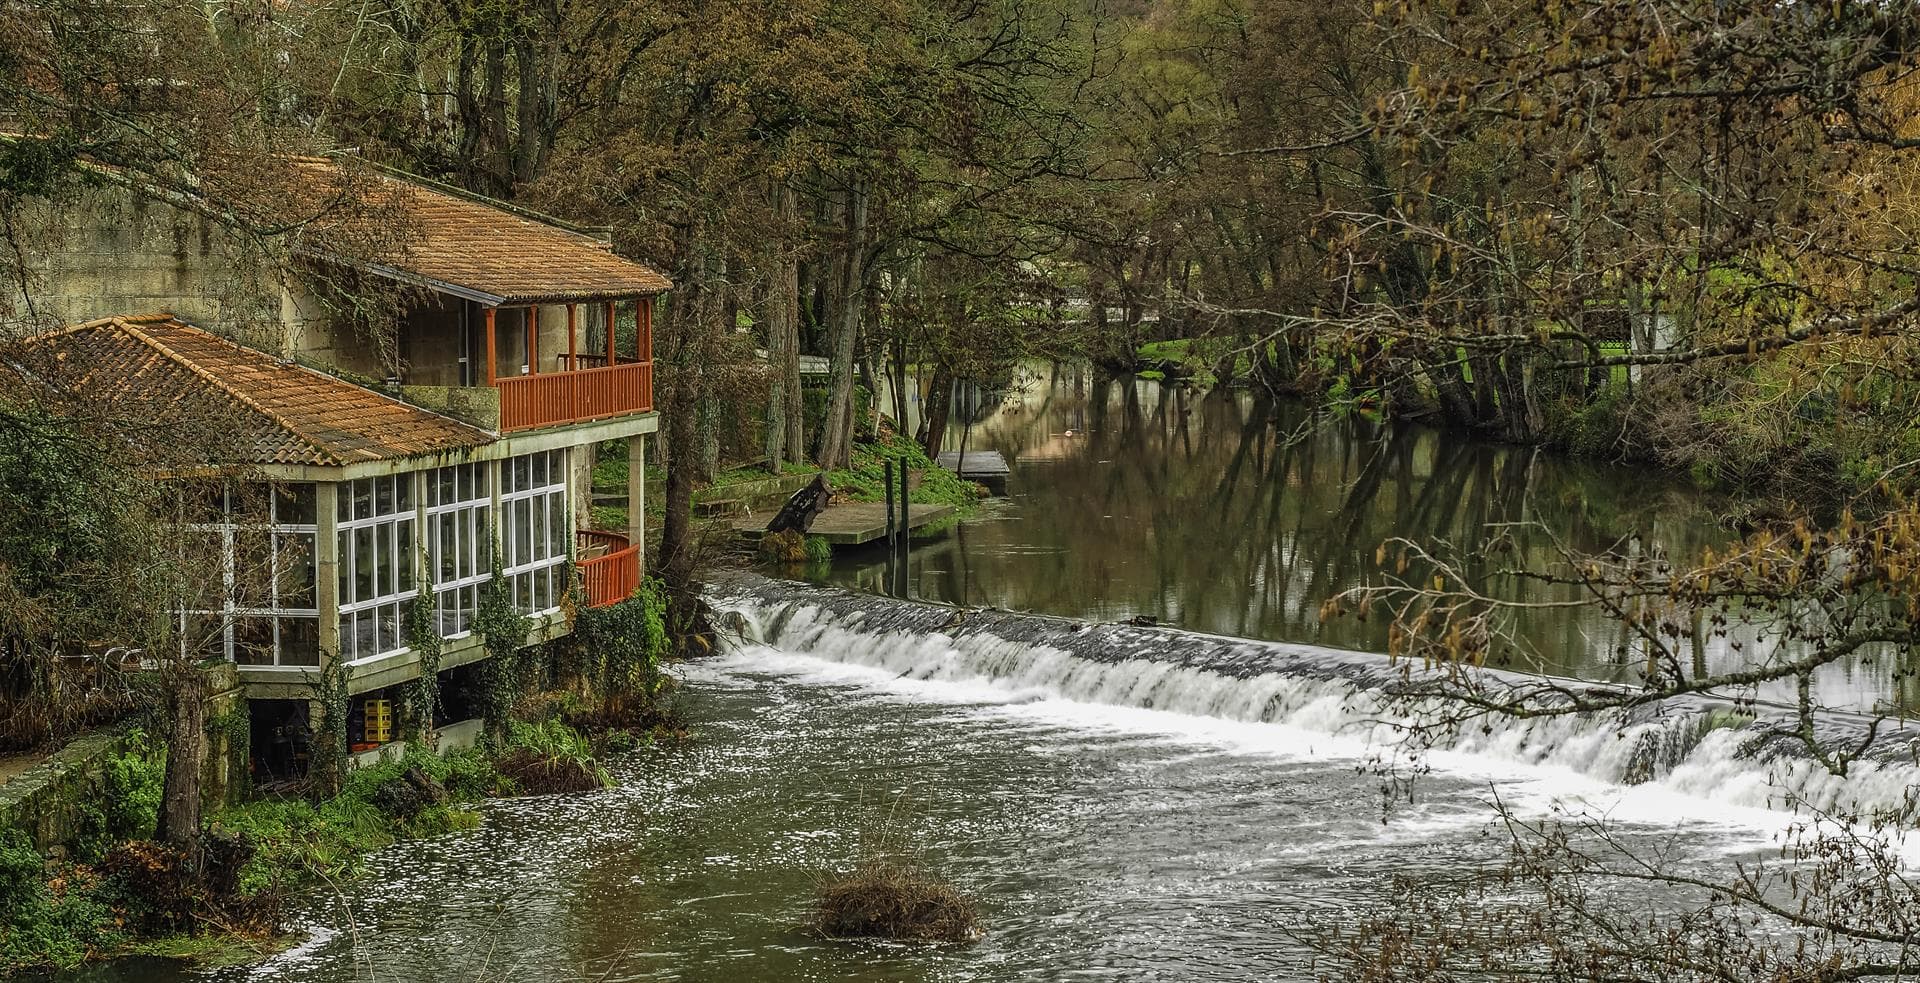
1740,754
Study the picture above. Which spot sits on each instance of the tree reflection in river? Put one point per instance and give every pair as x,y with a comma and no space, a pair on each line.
1215,514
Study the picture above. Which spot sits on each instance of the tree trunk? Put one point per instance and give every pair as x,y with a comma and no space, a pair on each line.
783,440
690,334
186,759
939,403
836,446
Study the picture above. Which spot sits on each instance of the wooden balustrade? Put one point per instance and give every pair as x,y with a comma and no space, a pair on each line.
555,398
609,566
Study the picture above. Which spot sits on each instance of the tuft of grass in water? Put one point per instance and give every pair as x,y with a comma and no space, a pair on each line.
550,758
897,901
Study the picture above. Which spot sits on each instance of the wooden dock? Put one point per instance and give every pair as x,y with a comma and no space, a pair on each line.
847,523
986,467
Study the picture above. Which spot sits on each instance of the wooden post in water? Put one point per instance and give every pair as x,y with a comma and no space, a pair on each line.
892,527
906,532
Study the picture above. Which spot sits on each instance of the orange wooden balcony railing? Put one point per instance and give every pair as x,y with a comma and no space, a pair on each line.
609,567
554,398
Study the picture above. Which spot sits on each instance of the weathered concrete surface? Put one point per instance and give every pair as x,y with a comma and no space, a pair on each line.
986,467
44,801
848,523
477,405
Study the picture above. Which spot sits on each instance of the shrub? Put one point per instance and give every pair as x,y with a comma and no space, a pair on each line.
43,924
550,758
128,806
785,546
890,900
818,550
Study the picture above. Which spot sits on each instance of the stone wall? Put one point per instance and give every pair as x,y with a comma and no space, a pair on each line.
111,251
45,801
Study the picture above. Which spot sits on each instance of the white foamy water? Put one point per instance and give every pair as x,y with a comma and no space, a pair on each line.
1667,765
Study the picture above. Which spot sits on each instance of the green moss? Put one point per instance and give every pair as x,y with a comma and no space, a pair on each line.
865,480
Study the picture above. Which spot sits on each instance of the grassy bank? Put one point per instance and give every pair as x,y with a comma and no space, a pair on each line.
864,480
115,892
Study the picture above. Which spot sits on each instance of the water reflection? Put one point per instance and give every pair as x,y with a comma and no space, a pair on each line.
1209,512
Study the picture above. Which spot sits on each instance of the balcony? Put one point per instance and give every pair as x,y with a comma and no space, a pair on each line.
528,402
587,386
609,566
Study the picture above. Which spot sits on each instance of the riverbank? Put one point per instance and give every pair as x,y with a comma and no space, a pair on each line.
112,892
1783,437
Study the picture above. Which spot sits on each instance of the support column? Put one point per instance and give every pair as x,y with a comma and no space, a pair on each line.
533,340
637,496
573,337
326,568
610,333
492,358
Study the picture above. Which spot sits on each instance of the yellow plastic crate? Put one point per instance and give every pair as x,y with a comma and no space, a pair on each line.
379,715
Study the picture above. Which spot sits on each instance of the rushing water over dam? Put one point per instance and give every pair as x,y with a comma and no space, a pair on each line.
1724,753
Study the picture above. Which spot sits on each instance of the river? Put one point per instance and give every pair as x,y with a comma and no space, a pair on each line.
1126,804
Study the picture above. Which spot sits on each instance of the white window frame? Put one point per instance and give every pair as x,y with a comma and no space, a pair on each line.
473,514
547,555
231,612
386,533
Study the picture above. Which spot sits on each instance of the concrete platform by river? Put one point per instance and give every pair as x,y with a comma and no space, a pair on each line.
847,523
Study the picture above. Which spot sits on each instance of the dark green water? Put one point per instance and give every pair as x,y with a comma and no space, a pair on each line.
1209,512
1102,844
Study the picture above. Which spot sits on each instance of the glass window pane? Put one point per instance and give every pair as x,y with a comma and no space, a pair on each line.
383,496
363,564
343,501
557,525
296,569
383,568
293,504
522,533
522,473
446,546
299,642
344,562
403,487
253,568
363,499
347,638
405,558
463,544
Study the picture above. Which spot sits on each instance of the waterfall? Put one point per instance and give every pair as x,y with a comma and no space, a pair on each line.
1708,748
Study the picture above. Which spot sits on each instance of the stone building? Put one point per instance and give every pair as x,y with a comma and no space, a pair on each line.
405,469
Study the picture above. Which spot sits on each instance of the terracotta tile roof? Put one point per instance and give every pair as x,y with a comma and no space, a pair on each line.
490,252
268,411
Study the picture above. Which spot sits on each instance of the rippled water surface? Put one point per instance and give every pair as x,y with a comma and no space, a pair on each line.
1102,843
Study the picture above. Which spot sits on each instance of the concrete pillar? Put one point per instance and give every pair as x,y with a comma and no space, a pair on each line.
637,495
326,567
580,481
